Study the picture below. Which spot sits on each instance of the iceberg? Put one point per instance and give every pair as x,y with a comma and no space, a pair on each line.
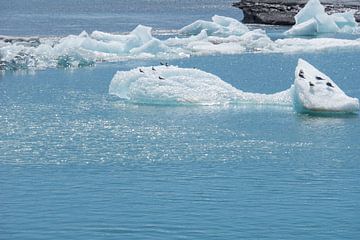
313,20
316,92
312,90
172,85
222,35
220,27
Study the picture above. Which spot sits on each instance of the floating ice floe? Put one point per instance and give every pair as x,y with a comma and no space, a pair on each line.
222,35
171,85
313,20
312,91
219,26
316,92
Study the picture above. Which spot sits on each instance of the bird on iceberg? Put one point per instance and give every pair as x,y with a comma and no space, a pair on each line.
301,74
329,84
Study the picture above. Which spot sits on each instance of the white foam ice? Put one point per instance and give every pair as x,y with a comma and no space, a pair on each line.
313,20
171,85
316,92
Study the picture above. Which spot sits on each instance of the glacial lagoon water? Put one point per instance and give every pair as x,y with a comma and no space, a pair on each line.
78,163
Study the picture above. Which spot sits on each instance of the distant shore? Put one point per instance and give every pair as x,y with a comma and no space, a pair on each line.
282,12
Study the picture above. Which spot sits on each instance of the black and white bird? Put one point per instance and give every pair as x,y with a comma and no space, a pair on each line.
329,84
311,84
319,78
301,74
153,69
141,70
161,78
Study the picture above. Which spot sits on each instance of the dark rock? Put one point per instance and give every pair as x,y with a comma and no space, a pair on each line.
30,41
282,12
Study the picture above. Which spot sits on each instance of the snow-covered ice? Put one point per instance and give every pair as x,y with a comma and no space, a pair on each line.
313,20
316,92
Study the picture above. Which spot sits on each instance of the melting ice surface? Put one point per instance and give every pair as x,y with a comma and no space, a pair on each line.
171,85
222,35
313,20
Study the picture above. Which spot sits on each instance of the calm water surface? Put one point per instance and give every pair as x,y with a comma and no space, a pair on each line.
44,18
76,163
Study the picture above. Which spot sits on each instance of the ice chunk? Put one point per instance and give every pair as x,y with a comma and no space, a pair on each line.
316,92
289,45
313,20
345,19
220,26
308,27
153,46
309,11
171,85
222,35
184,86
202,44
312,91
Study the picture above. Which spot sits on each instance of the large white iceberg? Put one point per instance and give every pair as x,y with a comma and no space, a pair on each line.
312,91
316,92
313,20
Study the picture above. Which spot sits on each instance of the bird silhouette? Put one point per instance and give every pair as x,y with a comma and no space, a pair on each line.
301,74
329,84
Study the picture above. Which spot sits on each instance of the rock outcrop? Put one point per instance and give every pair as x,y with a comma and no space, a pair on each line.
282,12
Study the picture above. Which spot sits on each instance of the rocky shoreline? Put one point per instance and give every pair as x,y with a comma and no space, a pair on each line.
282,12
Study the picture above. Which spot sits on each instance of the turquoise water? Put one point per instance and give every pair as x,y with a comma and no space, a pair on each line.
77,163
44,18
